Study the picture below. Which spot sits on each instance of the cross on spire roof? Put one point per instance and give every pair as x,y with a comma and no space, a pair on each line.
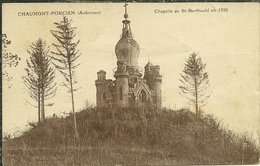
125,15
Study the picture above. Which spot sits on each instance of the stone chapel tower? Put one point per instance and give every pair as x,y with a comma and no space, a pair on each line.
129,87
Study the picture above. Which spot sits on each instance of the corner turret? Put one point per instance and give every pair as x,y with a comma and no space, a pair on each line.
154,80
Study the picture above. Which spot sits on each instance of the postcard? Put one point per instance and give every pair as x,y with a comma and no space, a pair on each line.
130,83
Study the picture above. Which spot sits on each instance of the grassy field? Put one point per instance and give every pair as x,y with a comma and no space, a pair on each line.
130,136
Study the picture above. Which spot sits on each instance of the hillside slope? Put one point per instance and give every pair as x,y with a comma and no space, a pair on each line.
130,136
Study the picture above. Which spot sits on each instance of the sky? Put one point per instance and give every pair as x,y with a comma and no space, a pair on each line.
227,41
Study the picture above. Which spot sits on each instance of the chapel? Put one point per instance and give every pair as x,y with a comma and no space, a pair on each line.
130,87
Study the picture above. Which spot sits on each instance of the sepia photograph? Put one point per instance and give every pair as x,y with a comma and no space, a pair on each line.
130,84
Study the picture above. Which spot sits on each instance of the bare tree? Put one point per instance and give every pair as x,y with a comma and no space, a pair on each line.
195,82
65,58
40,77
8,59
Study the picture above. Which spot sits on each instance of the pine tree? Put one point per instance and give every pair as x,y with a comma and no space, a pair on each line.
40,77
65,58
195,82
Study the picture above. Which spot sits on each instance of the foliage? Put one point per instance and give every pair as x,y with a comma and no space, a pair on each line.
195,82
8,59
135,136
65,57
40,76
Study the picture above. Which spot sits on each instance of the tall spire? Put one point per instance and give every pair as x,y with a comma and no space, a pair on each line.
126,33
127,49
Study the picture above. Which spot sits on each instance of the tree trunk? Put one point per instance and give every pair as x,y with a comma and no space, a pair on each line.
39,105
42,106
196,98
42,82
72,100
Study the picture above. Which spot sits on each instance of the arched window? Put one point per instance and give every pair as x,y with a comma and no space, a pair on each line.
104,97
143,96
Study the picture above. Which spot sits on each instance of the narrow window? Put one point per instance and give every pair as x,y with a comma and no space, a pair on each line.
143,96
104,97
121,93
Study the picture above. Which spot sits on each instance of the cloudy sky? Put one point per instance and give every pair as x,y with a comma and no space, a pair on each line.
227,41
